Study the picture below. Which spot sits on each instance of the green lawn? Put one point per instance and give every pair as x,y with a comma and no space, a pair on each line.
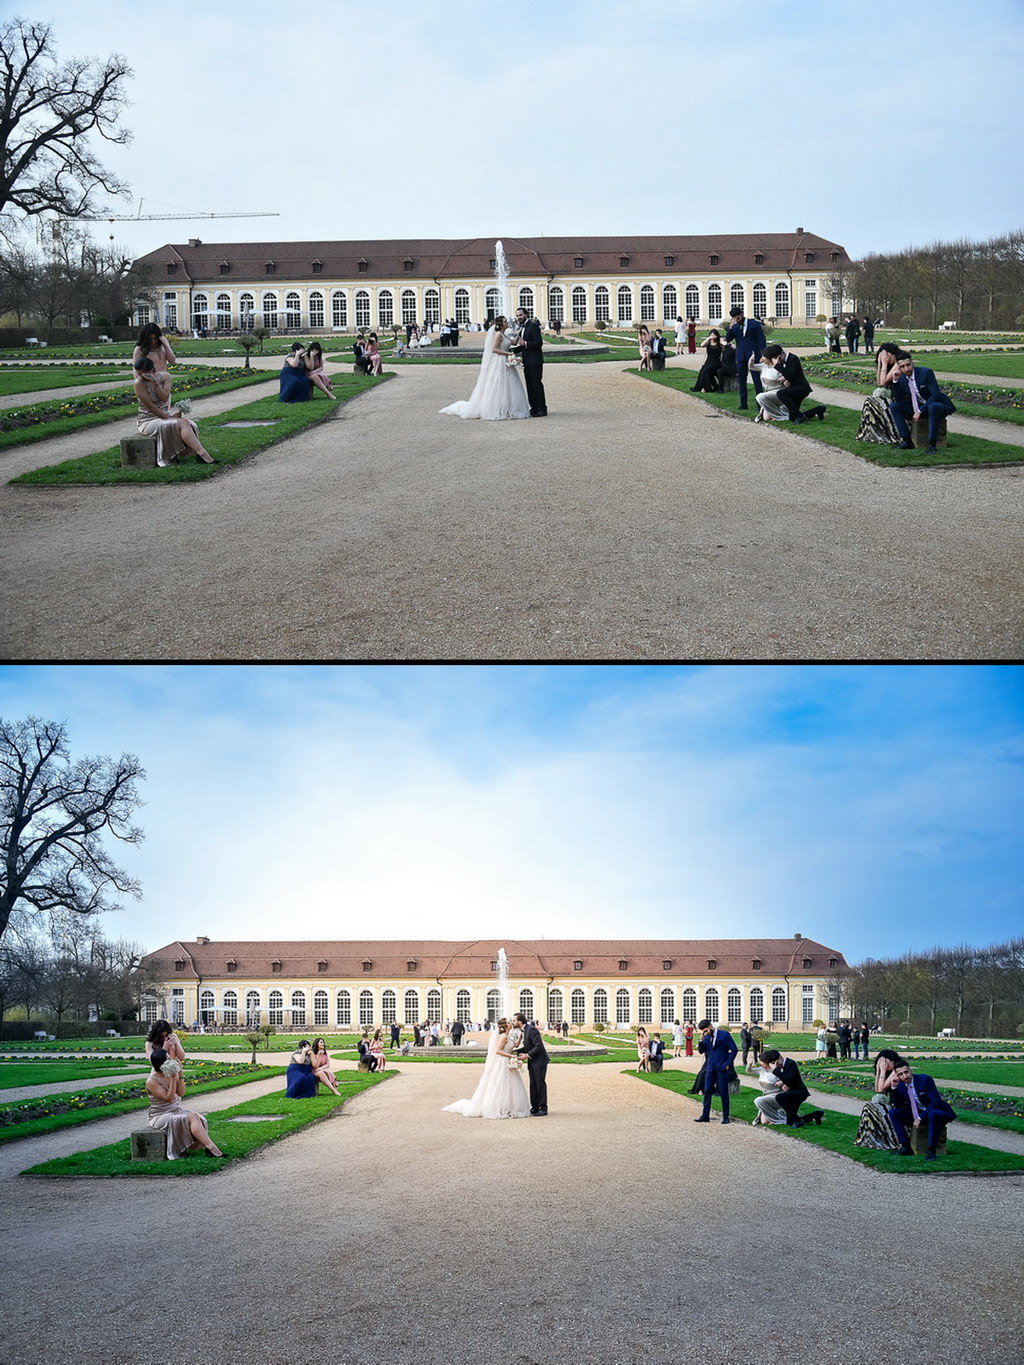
15,1075
24,379
999,364
836,1133
236,1140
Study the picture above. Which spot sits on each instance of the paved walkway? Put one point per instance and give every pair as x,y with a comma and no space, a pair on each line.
396,1234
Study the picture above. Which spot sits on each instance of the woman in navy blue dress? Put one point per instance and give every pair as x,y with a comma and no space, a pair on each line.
295,385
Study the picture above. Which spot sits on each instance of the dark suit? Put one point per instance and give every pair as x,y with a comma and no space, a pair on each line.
932,1108
457,1032
658,352
791,395
531,349
536,1055
454,338
719,1051
657,1054
747,337
934,403
795,1093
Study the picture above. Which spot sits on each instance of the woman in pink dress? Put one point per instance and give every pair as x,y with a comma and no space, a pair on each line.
643,1050
322,1065
186,1130
314,362
377,1059
373,354
645,349
162,1035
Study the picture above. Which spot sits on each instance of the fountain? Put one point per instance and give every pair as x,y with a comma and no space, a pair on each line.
506,1002
501,275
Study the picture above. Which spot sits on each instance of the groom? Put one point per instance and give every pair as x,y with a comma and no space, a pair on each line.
537,1062
531,350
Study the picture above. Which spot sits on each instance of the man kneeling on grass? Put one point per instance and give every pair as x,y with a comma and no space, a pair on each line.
791,1093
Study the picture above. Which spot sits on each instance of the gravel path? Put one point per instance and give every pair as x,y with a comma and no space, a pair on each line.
590,1238
634,523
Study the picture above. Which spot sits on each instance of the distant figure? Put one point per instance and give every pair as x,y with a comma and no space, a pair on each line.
300,1082
315,365
691,337
322,1065
658,349
294,377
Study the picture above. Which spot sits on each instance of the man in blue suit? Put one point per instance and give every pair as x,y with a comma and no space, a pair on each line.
915,1102
719,1052
915,392
747,336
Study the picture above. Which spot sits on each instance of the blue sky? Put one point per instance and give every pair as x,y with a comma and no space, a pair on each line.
874,808
875,127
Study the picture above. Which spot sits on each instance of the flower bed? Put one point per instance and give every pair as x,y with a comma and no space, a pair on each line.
1004,1105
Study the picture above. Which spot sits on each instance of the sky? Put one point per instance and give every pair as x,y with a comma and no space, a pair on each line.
872,808
875,127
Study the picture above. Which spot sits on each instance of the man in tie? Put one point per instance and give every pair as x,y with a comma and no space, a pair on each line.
915,393
718,1049
916,1103
747,336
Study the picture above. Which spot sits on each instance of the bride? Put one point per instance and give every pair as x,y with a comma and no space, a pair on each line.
499,392
501,1093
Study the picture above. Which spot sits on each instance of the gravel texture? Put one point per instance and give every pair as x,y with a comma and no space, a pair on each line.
633,523
616,1232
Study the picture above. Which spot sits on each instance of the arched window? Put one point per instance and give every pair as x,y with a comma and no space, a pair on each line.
782,300
493,1005
646,1007
692,303
230,1013
711,1004
669,303
388,1002
647,303
556,304
252,1009
622,1006
734,1005
526,1002
668,1006
362,308
600,1006
206,1014
432,306
760,301
292,309
757,1005
434,1006
526,299
246,312
275,1008
385,311
223,322
462,1006
200,311
602,306
462,306
579,305
493,302
410,313
779,1005
689,1014
625,303
365,1008
555,1012
269,304
714,303
320,1011
298,1009
339,309
316,309
578,1005
736,297
412,1007
343,1015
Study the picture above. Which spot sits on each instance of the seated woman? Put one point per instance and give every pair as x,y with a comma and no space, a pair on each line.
875,1131
300,1081
707,380
294,376
645,349
876,421
162,1034
186,1130
643,1050
315,366
727,370
154,346
175,433
373,355
322,1065
376,1058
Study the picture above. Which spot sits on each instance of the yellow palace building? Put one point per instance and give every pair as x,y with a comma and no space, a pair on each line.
576,282
341,986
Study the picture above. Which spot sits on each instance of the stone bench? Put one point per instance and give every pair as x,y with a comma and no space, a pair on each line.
919,433
149,1144
138,452
919,1140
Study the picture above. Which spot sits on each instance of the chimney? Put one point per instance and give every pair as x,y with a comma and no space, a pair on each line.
194,241
796,936
799,232
202,941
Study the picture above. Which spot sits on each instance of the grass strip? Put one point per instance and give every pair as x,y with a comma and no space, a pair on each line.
837,1131
25,380
15,1075
71,1119
226,444
839,429
49,419
236,1140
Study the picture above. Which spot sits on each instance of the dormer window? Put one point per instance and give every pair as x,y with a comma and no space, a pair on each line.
318,267
179,964
494,964
758,258
623,260
806,963
623,964
833,962
712,964
666,965
808,256
577,966
578,263
670,260
275,966
367,964
270,267
494,263
321,966
408,263
172,269
833,255
410,966
225,268
755,966
362,266
712,260
232,965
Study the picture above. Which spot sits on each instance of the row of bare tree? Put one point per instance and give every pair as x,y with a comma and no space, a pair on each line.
974,284
977,991
75,283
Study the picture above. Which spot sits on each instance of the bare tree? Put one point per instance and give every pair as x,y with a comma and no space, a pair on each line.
47,111
53,814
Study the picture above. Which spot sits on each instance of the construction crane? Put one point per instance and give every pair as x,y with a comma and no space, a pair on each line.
140,217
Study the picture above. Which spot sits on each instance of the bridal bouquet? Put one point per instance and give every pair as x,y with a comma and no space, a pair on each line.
183,407
514,361
172,1067
515,1064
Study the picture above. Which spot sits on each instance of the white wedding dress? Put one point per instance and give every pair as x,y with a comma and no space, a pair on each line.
499,393
500,1094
